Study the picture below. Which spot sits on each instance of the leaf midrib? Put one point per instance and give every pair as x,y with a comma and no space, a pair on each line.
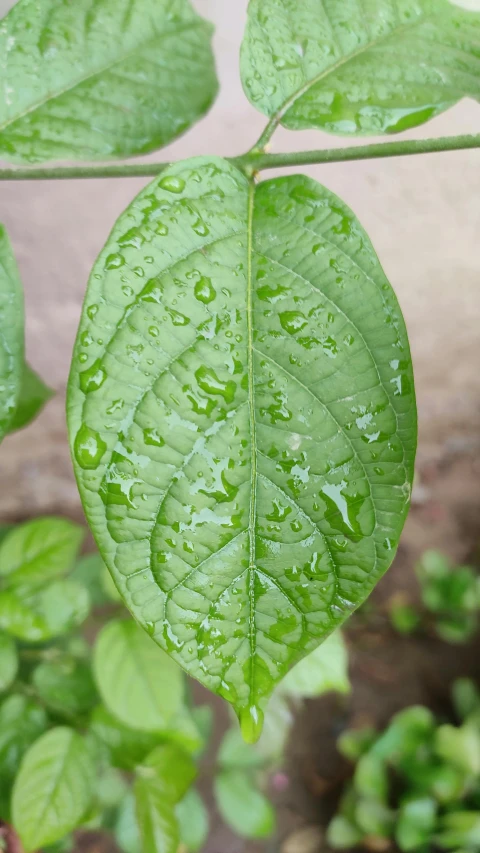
344,60
252,524
91,75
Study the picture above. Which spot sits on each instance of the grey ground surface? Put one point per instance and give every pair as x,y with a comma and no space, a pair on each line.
422,214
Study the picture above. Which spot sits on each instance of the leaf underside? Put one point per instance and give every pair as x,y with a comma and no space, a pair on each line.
101,78
359,66
242,420
11,334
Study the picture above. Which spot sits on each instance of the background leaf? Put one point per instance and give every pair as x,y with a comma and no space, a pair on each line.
33,396
138,683
87,81
242,807
161,782
322,670
11,333
53,788
127,746
39,550
22,721
66,686
261,486
359,67
39,614
8,662
192,817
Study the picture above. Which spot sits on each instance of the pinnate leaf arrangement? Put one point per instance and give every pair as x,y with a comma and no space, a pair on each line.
241,403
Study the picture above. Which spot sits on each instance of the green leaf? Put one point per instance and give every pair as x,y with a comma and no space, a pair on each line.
460,746
39,550
8,662
22,721
126,831
459,829
162,781
92,81
415,823
11,333
359,67
244,437
235,754
245,809
66,686
140,684
322,670
371,780
53,788
193,822
89,572
33,396
39,614
466,697
127,747
342,834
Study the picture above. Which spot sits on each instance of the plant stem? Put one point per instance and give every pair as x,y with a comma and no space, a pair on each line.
255,160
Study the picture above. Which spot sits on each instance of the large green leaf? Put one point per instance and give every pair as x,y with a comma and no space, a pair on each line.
53,789
359,66
162,781
109,78
39,550
33,396
244,435
11,333
137,681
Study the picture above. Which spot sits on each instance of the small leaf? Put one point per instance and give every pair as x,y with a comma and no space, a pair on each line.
322,670
66,686
33,396
138,682
127,747
11,333
192,817
39,550
271,421
88,82
22,721
245,809
342,833
161,783
53,788
89,571
371,780
8,662
415,823
36,615
370,68
126,831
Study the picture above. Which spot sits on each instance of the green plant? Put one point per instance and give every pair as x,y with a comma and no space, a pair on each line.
108,738
450,597
417,782
241,405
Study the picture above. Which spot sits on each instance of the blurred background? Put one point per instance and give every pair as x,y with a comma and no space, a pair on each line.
423,216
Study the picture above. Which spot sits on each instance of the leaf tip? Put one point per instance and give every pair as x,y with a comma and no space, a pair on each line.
251,723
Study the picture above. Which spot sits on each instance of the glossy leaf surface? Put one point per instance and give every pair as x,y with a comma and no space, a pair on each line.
161,782
138,682
53,788
11,333
244,435
96,80
33,396
361,66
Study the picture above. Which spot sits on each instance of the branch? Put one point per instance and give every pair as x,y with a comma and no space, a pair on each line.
255,160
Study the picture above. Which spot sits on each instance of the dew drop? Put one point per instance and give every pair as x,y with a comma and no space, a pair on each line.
251,723
88,448
204,290
172,184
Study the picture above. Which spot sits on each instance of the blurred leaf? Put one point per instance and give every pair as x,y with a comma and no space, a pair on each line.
11,333
35,614
39,550
66,686
408,730
53,789
245,809
193,821
33,396
126,831
404,618
277,724
162,781
342,834
138,682
370,779
415,823
466,697
89,572
353,743
111,788
22,721
234,753
8,662
322,670
127,747
459,829
374,818
460,746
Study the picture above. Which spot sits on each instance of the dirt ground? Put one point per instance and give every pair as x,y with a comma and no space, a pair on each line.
424,219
